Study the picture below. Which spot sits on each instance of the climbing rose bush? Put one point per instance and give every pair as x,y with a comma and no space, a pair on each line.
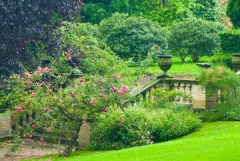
59,105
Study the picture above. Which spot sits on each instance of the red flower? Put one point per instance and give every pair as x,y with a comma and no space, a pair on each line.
33,126
27,82
81,80
121,122
101,95
23,107
105,110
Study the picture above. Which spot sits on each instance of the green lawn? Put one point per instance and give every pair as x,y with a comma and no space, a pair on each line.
178,67
218,141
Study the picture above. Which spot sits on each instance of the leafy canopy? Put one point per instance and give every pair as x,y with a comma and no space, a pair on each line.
194,37
133,37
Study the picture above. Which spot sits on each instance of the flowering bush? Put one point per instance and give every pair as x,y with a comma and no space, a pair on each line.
140,126
118,129
61,104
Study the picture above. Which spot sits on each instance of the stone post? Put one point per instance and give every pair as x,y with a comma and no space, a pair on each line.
5,125
84,135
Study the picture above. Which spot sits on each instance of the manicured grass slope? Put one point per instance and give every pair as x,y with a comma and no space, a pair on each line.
219,141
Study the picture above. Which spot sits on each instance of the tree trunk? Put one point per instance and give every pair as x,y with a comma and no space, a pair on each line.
69,148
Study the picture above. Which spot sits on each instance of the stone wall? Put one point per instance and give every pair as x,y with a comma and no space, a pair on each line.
5,125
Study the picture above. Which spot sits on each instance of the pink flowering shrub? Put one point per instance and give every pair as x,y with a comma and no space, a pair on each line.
140,126
61,104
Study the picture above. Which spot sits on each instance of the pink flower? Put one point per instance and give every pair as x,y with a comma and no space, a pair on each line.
39,68
124,89
113,89
121,93
73,104
33,126
105,110
18,109
23,107
27,82
41,140
92,103
81,80
148,133
72,94
68,56
101,95
50,111
48,130
23,142
47,69
27,75
39,84
33,95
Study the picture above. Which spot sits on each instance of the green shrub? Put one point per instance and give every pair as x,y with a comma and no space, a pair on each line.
224,59
118,129
223,80
140,126
230,41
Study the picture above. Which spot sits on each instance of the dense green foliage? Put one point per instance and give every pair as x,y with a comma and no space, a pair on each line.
227,82
195,38
133,37
24,23
230,41
222,59
161,11
140,126
233,11
207,10
91,55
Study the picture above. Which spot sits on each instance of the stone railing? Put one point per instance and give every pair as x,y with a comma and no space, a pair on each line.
202,98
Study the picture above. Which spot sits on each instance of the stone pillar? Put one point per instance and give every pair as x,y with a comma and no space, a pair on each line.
199,97
84,136
5,124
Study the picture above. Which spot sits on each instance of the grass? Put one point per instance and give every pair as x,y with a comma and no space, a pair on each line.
217,141
177,68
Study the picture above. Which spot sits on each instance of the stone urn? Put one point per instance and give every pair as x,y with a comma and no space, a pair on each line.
236,62
164,63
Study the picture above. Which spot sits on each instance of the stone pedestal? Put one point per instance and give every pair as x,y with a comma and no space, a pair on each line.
84,136
5,125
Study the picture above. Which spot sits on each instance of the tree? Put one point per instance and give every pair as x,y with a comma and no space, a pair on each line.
24,24
194,37
133,37
233,11
62,111
207,10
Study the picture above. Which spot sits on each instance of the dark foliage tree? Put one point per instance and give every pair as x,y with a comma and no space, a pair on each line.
233,11
26,23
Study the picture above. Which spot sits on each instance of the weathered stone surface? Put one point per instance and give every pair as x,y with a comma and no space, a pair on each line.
84,136
5,125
